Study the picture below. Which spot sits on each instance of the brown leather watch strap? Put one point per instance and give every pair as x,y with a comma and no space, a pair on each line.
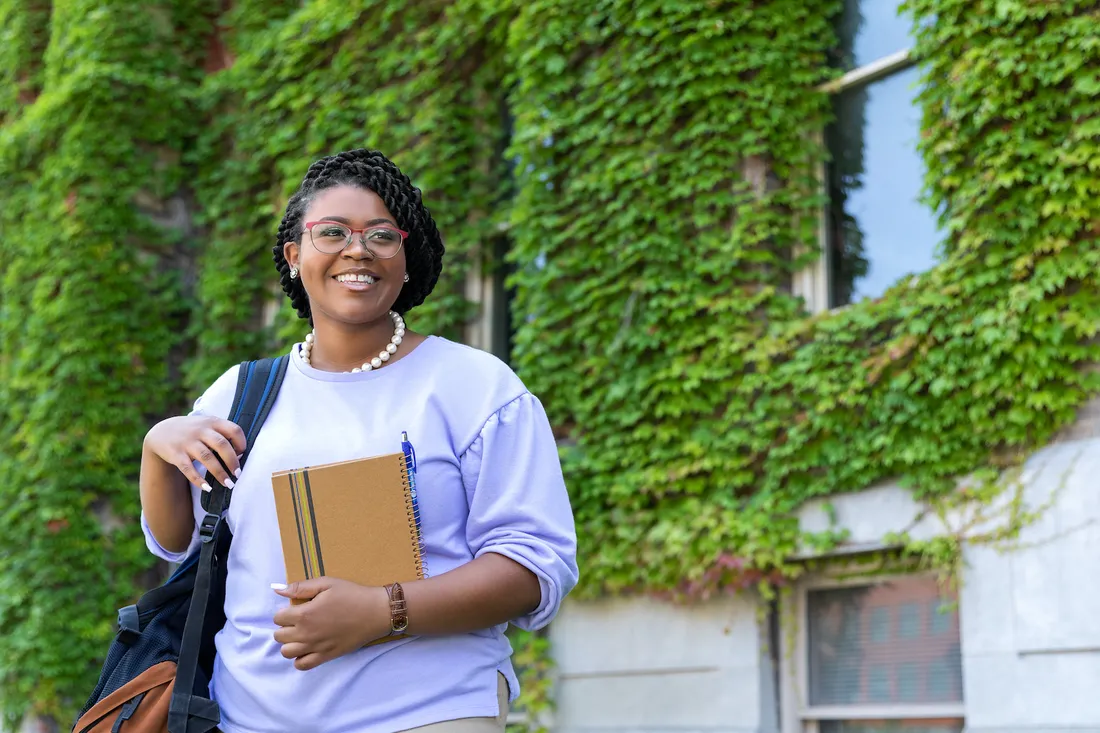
399,611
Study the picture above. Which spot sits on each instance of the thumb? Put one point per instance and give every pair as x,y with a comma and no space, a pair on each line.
302,590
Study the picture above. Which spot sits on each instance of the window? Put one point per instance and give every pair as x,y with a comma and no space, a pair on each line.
874,657
487,286
874,229
503,294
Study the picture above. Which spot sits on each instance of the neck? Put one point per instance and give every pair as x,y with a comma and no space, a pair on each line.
342,347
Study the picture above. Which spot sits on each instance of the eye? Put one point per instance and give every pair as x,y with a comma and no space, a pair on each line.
383,235
330,231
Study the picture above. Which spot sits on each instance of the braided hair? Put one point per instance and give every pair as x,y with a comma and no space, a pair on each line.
367,169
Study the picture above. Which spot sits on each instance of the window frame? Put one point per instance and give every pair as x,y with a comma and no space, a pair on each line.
811,283
796,714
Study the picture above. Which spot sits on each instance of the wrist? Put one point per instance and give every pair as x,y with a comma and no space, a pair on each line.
399,609
376,613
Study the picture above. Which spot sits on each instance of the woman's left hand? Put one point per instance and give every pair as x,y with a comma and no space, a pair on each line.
338,618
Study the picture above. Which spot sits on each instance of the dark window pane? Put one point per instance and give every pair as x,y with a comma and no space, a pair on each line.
944,678
879,683
909,621
878,231
504,328
851,662
909,682
939,616
870,30
891,726
880,625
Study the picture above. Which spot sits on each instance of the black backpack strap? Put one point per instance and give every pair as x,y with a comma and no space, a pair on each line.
257,387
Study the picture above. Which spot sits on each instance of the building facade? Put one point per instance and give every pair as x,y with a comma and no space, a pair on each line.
1012,647
1016,651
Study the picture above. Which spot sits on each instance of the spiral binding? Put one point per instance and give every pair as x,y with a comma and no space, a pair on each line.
408,478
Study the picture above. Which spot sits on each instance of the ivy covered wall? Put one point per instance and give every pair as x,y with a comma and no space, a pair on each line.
654,162
668,147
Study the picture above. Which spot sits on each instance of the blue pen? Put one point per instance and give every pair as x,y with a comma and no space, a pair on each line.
410,464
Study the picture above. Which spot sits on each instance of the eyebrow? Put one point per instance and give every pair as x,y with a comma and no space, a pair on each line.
370,223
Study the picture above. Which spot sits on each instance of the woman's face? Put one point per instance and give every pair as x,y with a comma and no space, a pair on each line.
351,286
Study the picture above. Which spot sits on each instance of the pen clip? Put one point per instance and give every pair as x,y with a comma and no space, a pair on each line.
407,449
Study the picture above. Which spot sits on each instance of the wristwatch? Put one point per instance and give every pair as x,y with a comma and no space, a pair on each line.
399,611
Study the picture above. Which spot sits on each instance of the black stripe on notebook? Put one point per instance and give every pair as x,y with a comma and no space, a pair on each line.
299,522
313,524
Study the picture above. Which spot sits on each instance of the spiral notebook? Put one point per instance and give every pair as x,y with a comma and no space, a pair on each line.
354,520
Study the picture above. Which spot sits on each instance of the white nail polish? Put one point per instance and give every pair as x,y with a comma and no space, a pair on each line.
237,473
278,586
206,487
229,483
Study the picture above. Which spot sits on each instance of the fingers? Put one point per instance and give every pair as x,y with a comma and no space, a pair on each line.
310,661
295,649
225,450
303,590
303,657
289,635
185,466
288,616
203,453
232,432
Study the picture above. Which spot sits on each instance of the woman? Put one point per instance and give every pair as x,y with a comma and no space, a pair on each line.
356,250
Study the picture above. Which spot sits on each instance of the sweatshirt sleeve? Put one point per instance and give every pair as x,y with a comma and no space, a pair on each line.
215,401
519,507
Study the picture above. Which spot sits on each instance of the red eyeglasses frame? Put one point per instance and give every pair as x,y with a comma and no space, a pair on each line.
310,224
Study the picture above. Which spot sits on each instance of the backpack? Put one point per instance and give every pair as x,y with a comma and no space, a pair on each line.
157,673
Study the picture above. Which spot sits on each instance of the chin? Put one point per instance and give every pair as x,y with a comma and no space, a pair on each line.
358,316
360,308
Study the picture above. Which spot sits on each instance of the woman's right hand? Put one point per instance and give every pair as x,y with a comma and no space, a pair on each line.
180,441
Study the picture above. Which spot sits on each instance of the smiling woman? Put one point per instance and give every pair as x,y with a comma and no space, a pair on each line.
352,277
346,259
356,250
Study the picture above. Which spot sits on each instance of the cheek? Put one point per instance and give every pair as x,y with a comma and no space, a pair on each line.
313,265
395,268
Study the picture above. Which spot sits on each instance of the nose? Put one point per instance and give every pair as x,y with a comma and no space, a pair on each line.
357,249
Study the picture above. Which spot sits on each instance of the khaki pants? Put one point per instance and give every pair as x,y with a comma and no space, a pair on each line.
474,725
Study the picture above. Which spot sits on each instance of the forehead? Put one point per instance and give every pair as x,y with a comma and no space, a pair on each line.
347,202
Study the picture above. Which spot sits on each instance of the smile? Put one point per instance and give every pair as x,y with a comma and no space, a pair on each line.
356,282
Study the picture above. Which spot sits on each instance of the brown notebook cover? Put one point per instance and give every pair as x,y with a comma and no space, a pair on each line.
353,520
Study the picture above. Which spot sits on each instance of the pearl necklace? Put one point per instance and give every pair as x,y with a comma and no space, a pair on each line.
376,362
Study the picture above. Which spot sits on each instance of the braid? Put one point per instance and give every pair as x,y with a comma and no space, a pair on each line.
371,170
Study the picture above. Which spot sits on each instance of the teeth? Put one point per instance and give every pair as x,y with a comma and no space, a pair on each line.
356,279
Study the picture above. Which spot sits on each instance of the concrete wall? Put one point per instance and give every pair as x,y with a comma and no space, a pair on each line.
1031,618
646,665
1030,622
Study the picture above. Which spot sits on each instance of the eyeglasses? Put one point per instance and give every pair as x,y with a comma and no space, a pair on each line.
382,241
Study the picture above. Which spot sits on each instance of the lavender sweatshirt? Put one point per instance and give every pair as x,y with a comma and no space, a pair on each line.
488,480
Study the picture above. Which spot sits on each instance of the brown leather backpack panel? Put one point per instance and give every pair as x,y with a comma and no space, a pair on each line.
139,706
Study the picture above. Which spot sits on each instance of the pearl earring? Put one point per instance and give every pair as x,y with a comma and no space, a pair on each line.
294,273
406,277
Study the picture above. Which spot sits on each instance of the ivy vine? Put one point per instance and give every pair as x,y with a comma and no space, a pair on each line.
296,92
88,315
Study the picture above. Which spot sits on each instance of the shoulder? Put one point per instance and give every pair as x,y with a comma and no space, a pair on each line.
462,365
472,383
218,397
